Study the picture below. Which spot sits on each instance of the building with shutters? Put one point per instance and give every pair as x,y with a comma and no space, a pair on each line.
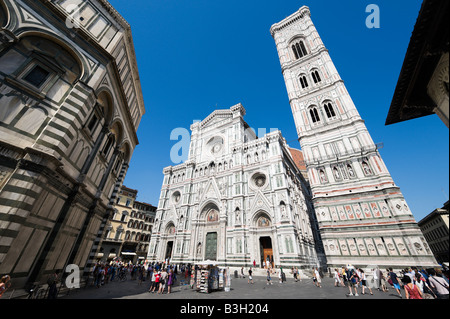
435,228
128,231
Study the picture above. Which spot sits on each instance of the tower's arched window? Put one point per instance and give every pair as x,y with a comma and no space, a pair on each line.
299,50
316,77
303,81
314,115
329,110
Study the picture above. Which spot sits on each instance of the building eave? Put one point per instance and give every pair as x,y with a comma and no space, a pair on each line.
428,42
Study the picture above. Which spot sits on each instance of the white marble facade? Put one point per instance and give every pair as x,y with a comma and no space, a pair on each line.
237,199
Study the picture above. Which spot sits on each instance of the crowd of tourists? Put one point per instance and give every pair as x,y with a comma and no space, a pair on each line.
160,275
409,283
163,276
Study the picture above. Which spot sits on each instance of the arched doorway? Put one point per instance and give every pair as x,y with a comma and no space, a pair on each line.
170,232
263,224
210,215
266,250
169,249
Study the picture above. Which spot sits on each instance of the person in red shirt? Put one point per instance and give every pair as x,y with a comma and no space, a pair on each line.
411,290
156,282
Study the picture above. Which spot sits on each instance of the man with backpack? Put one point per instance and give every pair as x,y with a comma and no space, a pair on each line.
352,281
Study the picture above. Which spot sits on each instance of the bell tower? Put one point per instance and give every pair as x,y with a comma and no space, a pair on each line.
363,216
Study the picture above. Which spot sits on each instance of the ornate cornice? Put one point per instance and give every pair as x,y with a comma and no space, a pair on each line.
300,14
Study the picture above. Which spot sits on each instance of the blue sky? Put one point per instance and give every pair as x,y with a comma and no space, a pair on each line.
195,56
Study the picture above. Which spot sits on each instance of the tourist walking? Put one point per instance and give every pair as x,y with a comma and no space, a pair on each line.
364,282
376,278
152,282
384,288
352,281
411,290
393,280
358,277
318,280
157,281
422,284
344,277
438,284
337,279
250,278
170,281
52,281
283,275
162,281
295,271
98,275
269,279
242,272
5,283
141,275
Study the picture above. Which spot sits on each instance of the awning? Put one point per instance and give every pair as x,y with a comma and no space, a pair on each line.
128,253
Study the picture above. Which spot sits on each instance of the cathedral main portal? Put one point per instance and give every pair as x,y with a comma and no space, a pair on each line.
169,250
266,251
211,246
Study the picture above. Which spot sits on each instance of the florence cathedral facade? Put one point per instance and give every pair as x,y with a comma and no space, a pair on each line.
241,198
237,199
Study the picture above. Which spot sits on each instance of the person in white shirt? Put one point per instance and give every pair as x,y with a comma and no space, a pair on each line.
318,279
364,282
337,279
376,278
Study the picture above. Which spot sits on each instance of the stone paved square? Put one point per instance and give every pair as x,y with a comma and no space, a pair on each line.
240,289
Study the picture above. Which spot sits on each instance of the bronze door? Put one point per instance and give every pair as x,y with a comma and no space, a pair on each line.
211,246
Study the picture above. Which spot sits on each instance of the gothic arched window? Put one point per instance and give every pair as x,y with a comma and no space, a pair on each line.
299,50
316,77
303,81
314,115
329,110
